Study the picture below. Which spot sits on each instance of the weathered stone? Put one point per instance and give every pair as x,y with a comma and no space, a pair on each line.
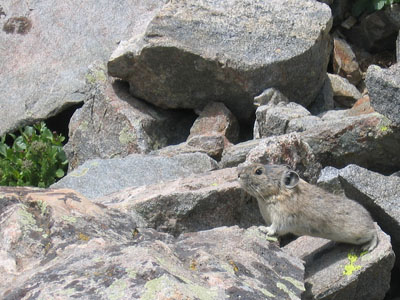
273,119
212,132
270,96
334,114
42,228
57,245
340,272
398,48
303,124
369,140
98,177
324,100
329,180
287,149
193,53
48,45
344,61
216,119
361,107
344,93
213,145
114,124
378,193
377,31
237,154
384,90
193,203
345,137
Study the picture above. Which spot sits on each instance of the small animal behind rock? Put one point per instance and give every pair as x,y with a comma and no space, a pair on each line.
292,205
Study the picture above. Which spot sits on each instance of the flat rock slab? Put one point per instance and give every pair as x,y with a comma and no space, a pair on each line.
112,123
44,58
98,177
339,138
55,244
194,203
384,90
340,271
379,193
195,52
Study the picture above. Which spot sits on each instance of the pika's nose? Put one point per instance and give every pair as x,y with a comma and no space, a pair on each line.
240,171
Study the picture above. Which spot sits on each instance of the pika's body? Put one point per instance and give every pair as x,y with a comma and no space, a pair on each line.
291,205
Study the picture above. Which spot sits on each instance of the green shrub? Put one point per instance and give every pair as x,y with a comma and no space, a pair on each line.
36,157
369,6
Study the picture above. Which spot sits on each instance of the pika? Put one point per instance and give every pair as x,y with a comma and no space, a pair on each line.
292,205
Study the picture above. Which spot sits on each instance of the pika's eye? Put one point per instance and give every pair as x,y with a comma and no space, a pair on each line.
258,171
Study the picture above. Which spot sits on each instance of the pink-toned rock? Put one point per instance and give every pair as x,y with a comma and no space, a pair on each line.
214,130
194,203
361,107
55,244
214,119
345,62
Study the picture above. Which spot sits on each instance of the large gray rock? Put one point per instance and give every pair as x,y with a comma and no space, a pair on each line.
195,52
368,139
324,100
194,203
273,119
344,93
58,245
384,90
112,123
379,193
44,60
98,177
233,156
338,271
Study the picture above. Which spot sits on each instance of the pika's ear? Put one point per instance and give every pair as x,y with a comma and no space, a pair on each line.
290,179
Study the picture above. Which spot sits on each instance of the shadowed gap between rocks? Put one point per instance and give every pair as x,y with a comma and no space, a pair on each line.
182,125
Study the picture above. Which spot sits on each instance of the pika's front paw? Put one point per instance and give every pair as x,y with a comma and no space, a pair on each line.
263,229
270,230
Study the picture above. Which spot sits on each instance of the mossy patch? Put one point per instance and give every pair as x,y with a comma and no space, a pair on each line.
298,284
69,219
284,288
350,268
96,76
116,290
27,221
126,136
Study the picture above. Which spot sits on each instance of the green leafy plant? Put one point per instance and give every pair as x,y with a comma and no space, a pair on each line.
36,157
369,6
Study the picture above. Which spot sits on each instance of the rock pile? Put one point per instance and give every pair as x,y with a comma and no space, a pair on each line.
176,94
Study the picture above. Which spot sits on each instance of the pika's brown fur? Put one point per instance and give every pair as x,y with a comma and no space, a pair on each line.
292,205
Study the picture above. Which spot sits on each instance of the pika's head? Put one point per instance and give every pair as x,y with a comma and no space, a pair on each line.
266,180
